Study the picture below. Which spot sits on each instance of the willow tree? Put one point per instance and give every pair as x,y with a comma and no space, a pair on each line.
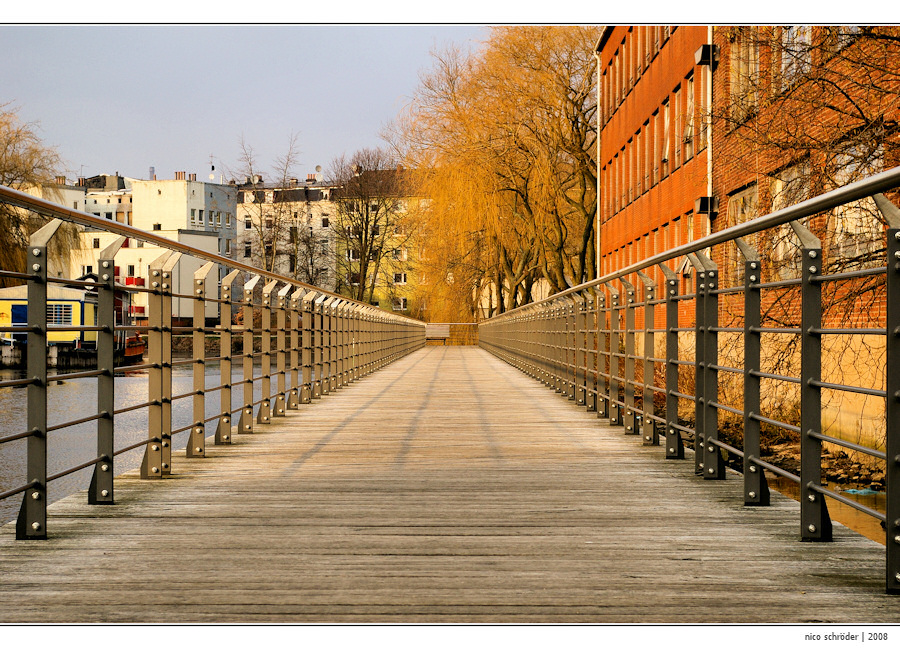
505,141
25,162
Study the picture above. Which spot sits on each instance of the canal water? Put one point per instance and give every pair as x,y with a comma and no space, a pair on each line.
77,398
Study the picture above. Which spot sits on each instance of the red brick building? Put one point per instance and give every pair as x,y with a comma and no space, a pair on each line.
800,110
654,157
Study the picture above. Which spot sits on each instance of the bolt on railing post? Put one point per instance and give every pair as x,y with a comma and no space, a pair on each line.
674,443
223,430
892,400
296,321
196,443
649,432
32,520
756,488
264,414
245,423
100,491
815,523
152,461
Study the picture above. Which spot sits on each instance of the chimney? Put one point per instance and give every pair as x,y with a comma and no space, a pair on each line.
81,182
179,175
60,180
310,178
294,182
193,177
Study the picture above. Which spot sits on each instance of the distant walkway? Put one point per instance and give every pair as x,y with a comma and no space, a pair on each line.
447,487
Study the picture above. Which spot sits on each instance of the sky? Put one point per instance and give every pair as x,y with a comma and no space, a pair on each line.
115,98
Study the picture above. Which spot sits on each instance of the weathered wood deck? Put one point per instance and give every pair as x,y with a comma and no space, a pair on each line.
446,487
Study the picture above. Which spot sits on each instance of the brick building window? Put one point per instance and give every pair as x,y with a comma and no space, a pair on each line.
796,54
688,133
744,63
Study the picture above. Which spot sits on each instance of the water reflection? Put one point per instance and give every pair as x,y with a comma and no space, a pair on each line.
839,512
68,447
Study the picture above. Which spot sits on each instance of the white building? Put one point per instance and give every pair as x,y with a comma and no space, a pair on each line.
291,224
199,214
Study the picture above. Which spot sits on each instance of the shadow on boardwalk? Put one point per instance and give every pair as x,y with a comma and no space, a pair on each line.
448,487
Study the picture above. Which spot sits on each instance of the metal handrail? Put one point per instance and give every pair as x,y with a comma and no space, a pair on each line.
582,343
313,342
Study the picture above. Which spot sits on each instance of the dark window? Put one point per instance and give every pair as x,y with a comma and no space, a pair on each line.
157,226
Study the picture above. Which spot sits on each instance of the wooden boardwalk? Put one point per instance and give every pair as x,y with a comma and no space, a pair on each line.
448,487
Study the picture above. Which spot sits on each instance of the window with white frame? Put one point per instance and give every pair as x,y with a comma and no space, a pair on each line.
399,278
399,304
59,314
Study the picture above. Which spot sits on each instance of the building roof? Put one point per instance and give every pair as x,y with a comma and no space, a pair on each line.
54,292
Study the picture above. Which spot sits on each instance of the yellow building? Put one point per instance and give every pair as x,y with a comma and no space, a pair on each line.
65,307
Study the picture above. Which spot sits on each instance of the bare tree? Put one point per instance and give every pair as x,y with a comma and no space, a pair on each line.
312,255
268,207
369,224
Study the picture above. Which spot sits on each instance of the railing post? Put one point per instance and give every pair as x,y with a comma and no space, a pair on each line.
713,463
630,420
591,362
151,464
571,345
699,362
100,491
615,324
281,392
333,337
580,348
756,488
674,443
32,520
196,443
892,402
319,386
223,430
306,391
245,424
264,414
168,272
649,432
815,523
604,363
296,320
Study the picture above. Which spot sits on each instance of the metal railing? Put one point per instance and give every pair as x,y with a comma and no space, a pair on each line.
322,342
585,344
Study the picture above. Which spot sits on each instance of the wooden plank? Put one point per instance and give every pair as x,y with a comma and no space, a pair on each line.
448,487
